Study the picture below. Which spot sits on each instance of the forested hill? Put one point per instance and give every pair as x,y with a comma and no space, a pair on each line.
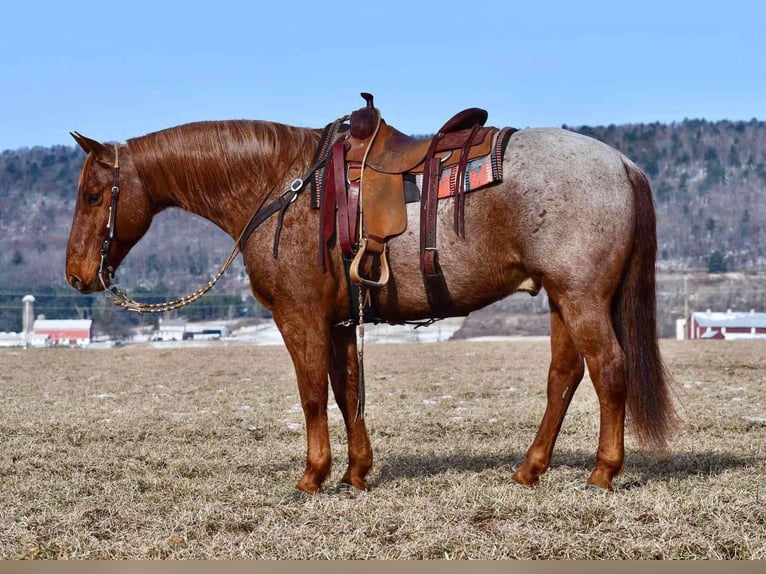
709,180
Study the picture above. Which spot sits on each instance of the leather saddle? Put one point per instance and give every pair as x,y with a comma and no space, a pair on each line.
365,180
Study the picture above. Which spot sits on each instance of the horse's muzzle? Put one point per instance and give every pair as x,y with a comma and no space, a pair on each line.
80,285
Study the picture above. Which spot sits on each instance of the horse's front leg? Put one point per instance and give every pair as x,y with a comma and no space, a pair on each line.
344,375
307,339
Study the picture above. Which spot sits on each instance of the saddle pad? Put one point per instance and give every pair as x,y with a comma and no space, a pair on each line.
480,172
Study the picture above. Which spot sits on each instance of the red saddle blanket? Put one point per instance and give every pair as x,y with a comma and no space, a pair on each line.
480,172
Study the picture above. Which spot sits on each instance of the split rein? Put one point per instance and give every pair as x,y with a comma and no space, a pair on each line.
123,300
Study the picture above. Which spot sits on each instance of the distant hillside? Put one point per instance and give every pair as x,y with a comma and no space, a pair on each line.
709,180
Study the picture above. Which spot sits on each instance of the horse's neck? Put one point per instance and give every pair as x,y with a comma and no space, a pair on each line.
225,206
228,190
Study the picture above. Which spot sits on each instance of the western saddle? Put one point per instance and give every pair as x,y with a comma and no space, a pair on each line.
364,184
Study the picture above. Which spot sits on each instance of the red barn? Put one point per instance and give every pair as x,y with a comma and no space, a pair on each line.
64,331
729,325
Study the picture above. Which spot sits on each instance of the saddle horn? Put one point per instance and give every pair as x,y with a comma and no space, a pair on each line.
364,120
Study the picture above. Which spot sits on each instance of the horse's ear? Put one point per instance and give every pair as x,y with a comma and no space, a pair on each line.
88,145
103,153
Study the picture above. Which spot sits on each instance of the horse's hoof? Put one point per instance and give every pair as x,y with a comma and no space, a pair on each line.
599,484
308,487
525,478
355,482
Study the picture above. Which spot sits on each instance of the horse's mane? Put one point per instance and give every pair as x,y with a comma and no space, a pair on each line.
196,166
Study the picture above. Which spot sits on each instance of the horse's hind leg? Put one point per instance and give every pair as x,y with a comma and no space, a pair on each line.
590,325
344,376
564,376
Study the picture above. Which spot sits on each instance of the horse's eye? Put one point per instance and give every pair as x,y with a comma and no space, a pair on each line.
93,199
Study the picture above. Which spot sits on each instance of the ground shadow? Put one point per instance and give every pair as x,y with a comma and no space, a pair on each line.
677,465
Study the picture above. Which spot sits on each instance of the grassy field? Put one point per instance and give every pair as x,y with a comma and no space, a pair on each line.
194,453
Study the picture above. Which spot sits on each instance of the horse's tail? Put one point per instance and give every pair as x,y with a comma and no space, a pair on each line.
634,313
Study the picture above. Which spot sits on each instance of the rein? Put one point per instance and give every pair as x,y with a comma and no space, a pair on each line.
279,205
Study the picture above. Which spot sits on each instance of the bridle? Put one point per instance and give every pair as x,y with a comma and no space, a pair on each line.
264,212
104,266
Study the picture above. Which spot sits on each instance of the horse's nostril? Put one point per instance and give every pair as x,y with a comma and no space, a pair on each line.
75,282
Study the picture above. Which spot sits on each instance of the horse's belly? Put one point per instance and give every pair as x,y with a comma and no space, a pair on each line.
478,269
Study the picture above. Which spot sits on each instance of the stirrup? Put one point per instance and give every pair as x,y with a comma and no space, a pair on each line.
353,271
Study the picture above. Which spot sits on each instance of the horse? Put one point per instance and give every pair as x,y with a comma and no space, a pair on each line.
571,215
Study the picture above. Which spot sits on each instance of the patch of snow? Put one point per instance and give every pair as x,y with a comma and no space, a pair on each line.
496,338
755,419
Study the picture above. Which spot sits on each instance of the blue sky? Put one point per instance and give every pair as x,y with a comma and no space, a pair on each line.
114,70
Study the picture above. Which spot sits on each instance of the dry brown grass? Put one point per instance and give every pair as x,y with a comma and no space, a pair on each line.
194,453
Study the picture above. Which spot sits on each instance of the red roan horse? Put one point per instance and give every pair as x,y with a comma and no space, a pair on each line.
572,215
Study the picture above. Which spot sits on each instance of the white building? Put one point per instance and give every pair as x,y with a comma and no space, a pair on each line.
171,330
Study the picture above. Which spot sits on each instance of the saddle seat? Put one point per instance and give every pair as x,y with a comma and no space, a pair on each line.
395,152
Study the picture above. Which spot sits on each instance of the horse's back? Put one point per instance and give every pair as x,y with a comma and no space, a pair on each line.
567,174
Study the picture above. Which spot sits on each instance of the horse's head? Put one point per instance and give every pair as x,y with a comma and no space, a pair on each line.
133,214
